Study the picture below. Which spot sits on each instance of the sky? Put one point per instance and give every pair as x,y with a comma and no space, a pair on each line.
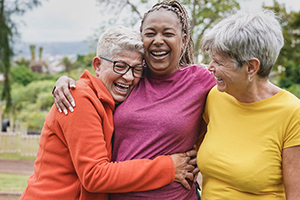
77,20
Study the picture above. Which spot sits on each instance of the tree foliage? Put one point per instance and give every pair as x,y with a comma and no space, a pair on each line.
67,63
204,14
22,61
23,75
8,30
289,57
32,102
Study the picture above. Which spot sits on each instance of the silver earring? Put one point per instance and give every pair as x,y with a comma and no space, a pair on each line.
250,79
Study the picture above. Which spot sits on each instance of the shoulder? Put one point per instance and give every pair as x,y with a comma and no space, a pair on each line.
288,100
83,89
195,69
292,104
201,72
205,78
291,97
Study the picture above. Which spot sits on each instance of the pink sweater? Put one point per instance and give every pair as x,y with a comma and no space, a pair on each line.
161,116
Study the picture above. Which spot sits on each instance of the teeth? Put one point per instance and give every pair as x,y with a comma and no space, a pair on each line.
159,53
122,90
218,79
121,87
125,86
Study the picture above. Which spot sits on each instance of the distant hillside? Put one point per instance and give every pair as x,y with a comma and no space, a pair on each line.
55,48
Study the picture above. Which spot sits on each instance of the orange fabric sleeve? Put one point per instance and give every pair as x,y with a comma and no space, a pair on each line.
87,133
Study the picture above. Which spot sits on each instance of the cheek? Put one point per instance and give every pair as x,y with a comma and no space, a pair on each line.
135,81
146,42
109,79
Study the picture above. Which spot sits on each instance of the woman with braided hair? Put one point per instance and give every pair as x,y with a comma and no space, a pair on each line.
162,114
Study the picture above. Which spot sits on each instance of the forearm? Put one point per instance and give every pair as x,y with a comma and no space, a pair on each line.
130,176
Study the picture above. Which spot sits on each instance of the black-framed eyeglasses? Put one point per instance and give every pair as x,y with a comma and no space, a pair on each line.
120,67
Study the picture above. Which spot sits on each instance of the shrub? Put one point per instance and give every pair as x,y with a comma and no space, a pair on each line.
23,75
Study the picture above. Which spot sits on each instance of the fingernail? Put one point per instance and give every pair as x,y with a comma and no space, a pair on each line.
71,109
73,103
59,110
73,85
66,112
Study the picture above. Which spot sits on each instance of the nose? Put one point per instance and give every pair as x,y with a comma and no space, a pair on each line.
211,67
129,75
158,39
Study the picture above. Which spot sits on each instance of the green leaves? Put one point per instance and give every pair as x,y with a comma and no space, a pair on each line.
7,32
289,57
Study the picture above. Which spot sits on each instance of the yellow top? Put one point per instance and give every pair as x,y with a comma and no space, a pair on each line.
240,157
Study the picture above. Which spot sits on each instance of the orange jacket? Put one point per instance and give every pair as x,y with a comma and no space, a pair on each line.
73,160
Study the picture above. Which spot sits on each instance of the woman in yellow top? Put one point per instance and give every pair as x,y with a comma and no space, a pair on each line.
251,148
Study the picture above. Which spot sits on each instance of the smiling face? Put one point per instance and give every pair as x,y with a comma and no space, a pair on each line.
229,79
163,41
118,85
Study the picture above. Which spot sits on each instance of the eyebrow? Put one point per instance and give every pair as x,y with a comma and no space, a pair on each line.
165,29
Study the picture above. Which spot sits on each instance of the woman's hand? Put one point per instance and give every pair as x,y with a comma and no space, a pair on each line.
183,169
193,161
62,96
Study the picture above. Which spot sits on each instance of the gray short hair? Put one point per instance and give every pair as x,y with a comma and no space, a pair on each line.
245,35
117,39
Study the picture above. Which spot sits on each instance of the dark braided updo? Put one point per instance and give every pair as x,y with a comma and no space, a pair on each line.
187,56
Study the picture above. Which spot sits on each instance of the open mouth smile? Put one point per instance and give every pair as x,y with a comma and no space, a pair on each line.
159,54
121,87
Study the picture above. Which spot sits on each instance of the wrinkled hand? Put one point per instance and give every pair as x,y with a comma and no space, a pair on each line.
183,170
62,96
193,161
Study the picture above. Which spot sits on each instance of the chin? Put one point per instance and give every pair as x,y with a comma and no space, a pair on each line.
120,99
221,88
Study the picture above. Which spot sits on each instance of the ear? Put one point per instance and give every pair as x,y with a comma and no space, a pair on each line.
253,67
96,64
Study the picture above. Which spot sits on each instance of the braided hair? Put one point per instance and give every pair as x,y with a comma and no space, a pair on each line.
176,7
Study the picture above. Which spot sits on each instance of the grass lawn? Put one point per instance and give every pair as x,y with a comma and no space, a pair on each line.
13,182
15,156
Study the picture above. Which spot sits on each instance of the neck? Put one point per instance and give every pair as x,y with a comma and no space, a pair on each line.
163,72
257,90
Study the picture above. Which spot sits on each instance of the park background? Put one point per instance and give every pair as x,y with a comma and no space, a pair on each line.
41,40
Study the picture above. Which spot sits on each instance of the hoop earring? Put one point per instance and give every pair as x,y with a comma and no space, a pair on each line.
250,79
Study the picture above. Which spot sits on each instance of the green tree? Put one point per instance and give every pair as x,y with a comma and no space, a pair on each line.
203,14
84,60
5,51
7,32
289,57
22,61
32,102
67,63
23,75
